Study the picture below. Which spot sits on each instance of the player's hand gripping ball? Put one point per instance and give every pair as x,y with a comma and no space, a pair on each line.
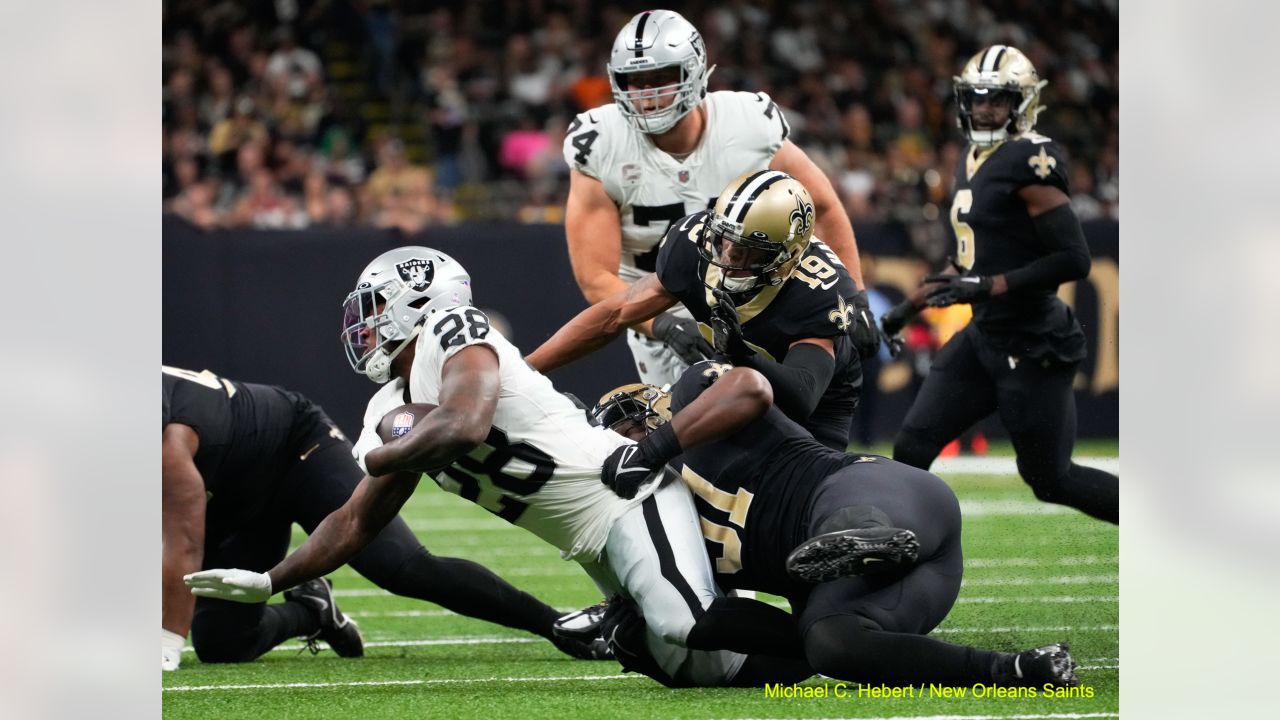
400,421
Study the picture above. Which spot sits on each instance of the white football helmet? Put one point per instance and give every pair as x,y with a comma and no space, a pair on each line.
394,295
652,40
999,69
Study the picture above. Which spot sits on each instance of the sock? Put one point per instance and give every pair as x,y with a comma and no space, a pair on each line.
773,631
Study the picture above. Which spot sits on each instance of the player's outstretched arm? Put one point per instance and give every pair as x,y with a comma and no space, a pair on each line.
469,385
345,532
594,327
182,526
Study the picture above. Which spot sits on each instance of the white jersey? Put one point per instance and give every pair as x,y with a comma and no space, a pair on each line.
652,189
539,469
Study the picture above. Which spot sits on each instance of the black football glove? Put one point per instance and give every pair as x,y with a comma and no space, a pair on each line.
682,336
892,323
626,469
957,289
726,330
866,338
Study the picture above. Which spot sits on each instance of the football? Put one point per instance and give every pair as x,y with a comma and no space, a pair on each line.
401,420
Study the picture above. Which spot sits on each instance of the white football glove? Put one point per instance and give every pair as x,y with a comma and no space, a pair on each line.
243,586
368,441
170,650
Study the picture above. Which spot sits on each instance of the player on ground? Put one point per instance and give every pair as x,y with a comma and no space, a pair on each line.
770,295
867,550
663,149
502,437
1017,239
241,463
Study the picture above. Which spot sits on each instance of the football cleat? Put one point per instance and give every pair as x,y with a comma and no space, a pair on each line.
581,625
861,551
1048,665
336,629
594,649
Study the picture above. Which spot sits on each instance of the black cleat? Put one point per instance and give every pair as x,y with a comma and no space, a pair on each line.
336,629
1048,665
581,625
862,551
594,649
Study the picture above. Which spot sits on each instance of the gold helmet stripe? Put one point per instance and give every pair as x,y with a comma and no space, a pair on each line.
746,195
991,62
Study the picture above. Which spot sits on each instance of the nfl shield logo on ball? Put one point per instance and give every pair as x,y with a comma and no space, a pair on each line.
401,424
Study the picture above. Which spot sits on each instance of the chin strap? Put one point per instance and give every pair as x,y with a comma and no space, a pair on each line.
378,369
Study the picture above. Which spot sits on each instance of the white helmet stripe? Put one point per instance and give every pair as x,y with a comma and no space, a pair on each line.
992,60
742,200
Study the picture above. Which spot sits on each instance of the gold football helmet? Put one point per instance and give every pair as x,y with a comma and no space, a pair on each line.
1000,72
758,231
647,406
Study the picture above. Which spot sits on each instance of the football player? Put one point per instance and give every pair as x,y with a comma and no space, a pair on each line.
769,294
504,438
241,463
867,550
663,149
1017,240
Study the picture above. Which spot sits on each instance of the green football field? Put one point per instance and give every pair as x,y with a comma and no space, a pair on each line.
1034,574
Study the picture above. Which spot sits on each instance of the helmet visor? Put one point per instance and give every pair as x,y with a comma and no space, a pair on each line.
365,327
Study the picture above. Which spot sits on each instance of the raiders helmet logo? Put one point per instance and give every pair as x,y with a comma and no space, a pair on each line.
417,272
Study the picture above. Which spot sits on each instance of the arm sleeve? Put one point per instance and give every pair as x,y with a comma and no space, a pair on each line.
799,380
1068,257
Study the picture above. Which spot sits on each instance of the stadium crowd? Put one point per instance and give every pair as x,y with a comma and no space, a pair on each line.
404,114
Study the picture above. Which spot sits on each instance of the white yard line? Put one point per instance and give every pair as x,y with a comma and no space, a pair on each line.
1008,466
364,683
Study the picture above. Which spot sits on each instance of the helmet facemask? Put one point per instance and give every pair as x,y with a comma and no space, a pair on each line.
396,293
635,407
757,232
753,253
384,314
998,73
657,40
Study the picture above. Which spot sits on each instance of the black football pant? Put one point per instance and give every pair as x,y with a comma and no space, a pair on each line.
969,380
224,631
872,628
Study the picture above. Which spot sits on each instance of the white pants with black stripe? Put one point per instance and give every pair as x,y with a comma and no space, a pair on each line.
655,556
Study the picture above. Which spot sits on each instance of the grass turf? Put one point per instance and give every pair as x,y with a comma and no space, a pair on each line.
1034,574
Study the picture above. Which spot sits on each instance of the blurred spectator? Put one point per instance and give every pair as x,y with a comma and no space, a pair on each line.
295,69
242,127
398,194
865,86
263,205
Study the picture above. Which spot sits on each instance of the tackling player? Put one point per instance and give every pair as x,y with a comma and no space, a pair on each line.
768,293
666,148
867,550
504,438
241,463
1017,240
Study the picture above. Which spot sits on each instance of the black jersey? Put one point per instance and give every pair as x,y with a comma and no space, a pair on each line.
250,436
753,490
815,302
995,234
